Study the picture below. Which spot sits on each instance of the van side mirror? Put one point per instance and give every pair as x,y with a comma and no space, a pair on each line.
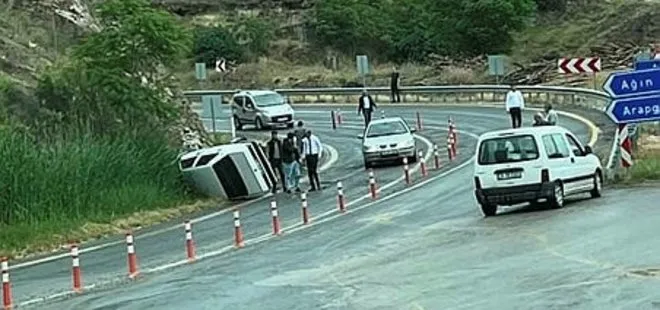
413,130
360,136
588,150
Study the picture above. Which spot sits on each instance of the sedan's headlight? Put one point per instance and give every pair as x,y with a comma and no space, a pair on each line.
368,148
409,143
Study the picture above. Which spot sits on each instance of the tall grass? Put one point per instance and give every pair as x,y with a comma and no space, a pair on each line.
48,188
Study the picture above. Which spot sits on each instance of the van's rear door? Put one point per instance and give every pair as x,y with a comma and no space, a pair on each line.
509,160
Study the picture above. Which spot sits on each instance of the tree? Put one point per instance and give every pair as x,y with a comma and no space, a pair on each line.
213,43
117,77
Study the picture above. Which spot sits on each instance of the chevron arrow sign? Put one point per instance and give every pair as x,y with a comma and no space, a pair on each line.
579,65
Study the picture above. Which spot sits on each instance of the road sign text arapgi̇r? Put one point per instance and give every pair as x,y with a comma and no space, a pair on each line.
635,109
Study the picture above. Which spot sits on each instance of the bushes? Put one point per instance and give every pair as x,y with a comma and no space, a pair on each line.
410,30
91,178
245,40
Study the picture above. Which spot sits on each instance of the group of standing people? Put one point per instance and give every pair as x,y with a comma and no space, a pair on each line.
286,157
515,104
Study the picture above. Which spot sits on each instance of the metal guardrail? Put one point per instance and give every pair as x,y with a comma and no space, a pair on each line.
535,94
598,99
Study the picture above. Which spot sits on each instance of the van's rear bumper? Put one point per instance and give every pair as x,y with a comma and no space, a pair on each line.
515,194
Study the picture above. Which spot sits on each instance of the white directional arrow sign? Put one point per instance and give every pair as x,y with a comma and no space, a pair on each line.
221,65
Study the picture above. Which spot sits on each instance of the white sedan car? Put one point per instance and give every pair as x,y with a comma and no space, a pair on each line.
388,139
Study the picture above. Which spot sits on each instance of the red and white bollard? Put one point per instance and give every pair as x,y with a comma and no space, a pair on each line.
382,114
422,164
238,232
6,285
305,213
276,217
75,271
132,257
406,171
339,117
372,185
341,203
436,156
190,244
453,131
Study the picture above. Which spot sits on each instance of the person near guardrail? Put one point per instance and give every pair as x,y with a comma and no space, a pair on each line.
366,106
274,147
312,148
550,115
395,82
515,103
291,162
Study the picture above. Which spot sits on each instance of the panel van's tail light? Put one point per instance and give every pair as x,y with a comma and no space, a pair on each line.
545,175
477,183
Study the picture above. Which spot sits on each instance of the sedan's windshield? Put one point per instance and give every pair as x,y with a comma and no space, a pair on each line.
268,100
386,129
508,150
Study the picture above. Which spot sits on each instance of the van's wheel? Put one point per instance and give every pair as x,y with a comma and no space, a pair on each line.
557,199
598,185
258,124
237,123
489,209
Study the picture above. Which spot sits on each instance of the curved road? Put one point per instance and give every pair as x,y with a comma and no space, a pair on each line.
424,246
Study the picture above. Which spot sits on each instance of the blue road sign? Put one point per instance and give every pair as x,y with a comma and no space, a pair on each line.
647,64
635,109
633,83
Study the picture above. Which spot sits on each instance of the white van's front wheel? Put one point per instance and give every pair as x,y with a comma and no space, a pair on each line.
557,200
598,185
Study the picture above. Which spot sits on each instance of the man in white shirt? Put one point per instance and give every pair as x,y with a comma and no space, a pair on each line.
312,148
515,103
366,105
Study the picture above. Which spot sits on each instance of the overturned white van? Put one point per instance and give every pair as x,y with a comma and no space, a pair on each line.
233,171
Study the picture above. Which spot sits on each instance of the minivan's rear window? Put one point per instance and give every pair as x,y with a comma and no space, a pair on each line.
509,149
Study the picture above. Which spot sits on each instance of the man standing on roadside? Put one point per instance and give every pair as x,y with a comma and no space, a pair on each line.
366,106
274,147
515,103
290,160
312,149
395,82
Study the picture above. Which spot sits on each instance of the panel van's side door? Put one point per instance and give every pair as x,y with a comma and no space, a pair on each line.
584,170
249,110
560,162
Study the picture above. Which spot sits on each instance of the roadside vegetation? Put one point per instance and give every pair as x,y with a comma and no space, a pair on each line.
92,148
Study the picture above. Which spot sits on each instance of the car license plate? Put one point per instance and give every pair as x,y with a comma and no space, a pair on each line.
281,119
509,175
389,152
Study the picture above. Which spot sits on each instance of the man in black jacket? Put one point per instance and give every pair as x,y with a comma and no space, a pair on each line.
366,106
395,82
274,147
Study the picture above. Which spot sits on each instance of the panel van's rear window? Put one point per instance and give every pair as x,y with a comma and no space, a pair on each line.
508,149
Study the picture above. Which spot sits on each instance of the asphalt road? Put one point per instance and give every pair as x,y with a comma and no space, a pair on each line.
427,248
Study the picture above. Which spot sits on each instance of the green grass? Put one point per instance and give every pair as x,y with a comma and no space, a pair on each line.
79,188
